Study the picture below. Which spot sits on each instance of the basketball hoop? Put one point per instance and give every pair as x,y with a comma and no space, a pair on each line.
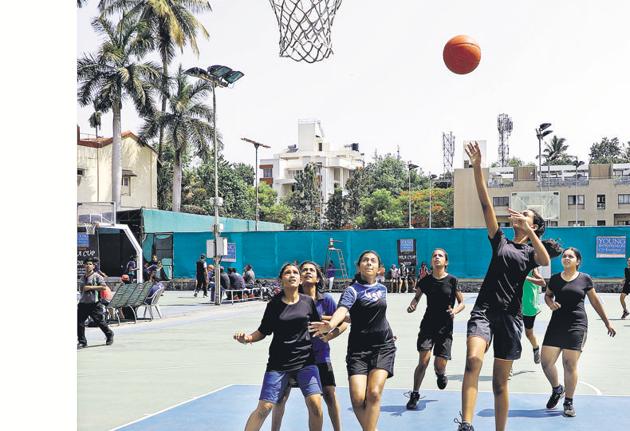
305,28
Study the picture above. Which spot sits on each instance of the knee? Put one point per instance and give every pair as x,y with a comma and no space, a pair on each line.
423,364
263,409
358,403
569,366
499,387
373,396
314,405
473,364
329,396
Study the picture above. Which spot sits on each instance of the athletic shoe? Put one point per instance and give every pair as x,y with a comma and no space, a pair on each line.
625,314
195,295
442,380
537,355
569,411
413,400
110,340
205,295
463,426
556,394
81,345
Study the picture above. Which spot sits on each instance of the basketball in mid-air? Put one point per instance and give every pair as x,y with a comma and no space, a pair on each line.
461,54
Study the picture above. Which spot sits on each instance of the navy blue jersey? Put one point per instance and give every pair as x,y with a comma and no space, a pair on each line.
367,305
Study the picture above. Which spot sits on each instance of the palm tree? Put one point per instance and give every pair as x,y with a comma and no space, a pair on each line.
555,150
187,125
95,121
115,74
172,23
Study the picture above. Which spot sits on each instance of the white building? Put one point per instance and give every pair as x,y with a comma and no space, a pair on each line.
334,165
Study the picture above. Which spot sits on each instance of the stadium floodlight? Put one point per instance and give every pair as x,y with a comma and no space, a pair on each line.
217,76
410,166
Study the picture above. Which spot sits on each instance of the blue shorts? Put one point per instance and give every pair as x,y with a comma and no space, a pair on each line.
275,383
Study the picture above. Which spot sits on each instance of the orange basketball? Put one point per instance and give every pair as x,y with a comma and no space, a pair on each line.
461,54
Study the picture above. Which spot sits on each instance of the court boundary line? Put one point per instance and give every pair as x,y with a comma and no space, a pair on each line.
173,406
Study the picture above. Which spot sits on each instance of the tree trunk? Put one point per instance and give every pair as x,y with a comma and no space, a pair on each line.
177,181
116,155
164,91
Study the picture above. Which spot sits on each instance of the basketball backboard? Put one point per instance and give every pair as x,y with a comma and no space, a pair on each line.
547,204
91,213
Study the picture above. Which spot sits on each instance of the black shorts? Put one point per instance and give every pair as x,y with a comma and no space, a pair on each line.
563,338
528,321
364,361
626,289
439,340
326,375
506,330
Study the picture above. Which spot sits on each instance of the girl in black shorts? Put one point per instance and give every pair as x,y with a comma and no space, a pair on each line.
436,329
291,351
371,349
625,290
497,311
567,328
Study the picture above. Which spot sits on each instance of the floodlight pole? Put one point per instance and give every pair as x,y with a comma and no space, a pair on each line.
410,166
540,134
431,177
256,145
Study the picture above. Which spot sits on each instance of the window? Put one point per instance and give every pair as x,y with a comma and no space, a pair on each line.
580,200
601,222
501,201
125,190
551,223
503,223
601,202
267,172
579,223
623,199
319,145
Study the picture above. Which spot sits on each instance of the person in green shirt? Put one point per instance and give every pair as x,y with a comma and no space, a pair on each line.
531,307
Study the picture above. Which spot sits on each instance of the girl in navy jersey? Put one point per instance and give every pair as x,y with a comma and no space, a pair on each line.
371,349
497,311
436,329
566,332
313,283
291,351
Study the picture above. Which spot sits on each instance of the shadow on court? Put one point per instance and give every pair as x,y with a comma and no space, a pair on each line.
228,409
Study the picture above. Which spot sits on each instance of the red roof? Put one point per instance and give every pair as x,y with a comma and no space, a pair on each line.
102,142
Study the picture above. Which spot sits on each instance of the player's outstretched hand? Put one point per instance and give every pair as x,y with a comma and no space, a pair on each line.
554,306
611,330
319,329
241,337
412,306
474,153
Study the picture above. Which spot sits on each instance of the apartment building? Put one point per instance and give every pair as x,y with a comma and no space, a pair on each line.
590,195
334,166
94,171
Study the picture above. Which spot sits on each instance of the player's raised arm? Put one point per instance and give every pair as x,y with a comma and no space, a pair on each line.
474,154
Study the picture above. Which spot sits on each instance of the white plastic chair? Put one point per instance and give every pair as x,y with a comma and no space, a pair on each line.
153,303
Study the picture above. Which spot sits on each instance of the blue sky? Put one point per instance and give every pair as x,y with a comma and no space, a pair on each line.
564,62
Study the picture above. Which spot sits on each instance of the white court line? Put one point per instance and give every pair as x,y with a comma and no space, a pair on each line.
172,407
597,391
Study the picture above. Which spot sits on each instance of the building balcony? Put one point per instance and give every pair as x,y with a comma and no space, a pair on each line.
622,180
498,183
283,181
564,182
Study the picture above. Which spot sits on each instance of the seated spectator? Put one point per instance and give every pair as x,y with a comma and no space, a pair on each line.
248,276
155,286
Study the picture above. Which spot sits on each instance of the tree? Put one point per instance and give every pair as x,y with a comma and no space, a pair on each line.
555,152
440,202
336,211
115,74
171,23
357,188
305,200
389,173
513,162
606,151
381,210
187,124
95,121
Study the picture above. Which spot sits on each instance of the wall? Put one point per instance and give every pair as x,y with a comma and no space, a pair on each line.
468,249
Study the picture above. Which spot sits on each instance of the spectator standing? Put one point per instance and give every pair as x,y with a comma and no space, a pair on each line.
91,284
202,276
380,275
404,278
131,268
394,276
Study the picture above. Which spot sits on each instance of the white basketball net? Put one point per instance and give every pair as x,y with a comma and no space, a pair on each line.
305,28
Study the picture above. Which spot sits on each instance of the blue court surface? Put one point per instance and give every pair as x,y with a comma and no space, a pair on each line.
228,408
